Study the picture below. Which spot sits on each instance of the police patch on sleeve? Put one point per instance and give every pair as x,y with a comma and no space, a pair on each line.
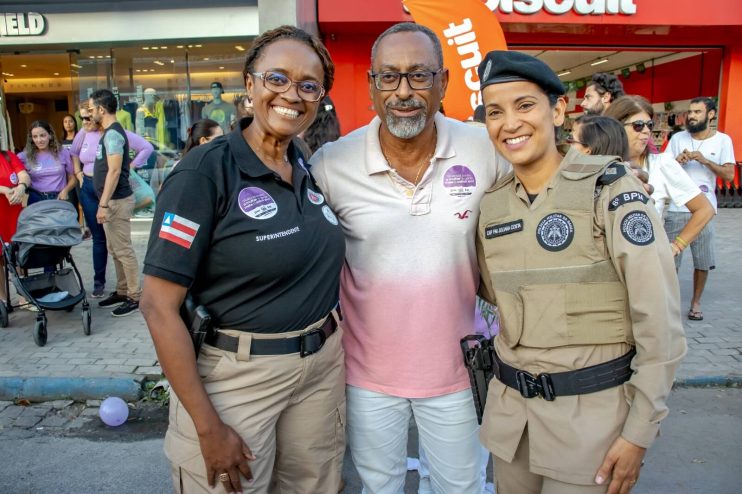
636,227
555,232
626,198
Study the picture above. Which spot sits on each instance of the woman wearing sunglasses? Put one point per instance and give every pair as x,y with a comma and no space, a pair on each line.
83,151
242,229
668,178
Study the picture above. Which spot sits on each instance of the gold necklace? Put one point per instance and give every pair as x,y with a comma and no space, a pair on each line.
419,167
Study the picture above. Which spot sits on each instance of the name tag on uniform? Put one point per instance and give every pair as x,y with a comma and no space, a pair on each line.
626,198
503,229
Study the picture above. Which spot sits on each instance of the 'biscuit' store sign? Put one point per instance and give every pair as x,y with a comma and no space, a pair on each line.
22,24
582,7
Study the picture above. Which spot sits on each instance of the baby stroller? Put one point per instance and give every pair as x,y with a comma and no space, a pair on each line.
46,232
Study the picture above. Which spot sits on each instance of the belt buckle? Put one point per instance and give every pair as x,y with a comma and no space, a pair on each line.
531,386
304,350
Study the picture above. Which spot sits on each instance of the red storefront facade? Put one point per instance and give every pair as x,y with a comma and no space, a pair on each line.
712,30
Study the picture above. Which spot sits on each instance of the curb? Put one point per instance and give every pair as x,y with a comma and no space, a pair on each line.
709,382
38,389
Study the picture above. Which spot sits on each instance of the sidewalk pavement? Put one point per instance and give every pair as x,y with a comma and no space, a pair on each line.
119,354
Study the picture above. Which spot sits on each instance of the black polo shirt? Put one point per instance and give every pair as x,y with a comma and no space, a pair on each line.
262,255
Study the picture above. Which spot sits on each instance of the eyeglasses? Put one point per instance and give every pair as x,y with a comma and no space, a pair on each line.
638,125
572,140
390,81
279,83
86,119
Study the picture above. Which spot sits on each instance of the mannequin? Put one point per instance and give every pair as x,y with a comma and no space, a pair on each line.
219,110
150,119
123,117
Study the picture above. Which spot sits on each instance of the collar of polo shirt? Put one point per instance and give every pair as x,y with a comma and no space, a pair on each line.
247,160
375,161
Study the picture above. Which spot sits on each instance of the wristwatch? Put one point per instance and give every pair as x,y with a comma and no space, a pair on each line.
25,187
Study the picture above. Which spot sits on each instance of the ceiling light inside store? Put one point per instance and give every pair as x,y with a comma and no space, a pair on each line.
75,66
566,72
23,65
198,46
99,56
91,56
221,68
179,46
172,61
108,56
157,62
240,48
145,48
139,70
599,62
206,59
155,48
56,73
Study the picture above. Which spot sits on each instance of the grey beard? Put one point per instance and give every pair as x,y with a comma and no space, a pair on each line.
697,127
406,127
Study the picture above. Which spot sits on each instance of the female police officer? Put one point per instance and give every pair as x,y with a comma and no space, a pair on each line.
590,334
241,224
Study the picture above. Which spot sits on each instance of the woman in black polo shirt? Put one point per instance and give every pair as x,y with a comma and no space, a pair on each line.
241,225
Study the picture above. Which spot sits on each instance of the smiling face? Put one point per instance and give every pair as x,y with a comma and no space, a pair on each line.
284,115
87,121
637,140
520,121
405,112
40,138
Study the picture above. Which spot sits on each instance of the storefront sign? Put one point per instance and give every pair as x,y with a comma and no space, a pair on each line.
22,24
557,7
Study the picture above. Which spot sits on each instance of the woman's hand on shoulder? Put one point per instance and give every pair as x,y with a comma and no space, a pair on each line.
224,451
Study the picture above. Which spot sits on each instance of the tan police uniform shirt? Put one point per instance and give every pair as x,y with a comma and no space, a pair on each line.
579,276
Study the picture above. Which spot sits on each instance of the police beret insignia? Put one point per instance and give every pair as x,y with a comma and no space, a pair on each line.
636,227
555,232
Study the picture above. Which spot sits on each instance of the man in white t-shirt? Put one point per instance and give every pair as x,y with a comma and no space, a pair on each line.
705,154
406,189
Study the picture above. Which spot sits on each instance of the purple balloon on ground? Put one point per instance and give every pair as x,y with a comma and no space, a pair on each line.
113,411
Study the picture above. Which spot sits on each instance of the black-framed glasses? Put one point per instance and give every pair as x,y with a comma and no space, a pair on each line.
418,79
638,125
572,140
280,83
86,119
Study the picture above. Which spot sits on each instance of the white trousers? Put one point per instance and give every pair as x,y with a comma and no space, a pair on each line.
448,431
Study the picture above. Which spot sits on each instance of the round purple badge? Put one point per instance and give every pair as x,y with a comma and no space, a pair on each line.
459,180
257,203
704,188
14,178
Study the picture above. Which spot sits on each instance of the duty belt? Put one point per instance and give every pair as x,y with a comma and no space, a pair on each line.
304,344
576,382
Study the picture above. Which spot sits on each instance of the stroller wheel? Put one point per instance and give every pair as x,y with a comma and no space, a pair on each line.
3,315
39,331
87,321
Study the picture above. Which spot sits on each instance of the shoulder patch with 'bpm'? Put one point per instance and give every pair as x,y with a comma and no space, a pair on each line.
626,198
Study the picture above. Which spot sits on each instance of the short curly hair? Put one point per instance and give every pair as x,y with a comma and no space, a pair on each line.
607,83
290,32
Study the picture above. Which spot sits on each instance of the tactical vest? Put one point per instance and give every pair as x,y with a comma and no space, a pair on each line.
553,279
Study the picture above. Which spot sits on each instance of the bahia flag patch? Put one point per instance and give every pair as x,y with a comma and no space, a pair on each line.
178,230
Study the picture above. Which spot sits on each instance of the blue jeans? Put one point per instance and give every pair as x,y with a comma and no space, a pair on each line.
89,201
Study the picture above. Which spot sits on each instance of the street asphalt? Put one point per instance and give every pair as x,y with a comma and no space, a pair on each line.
118,355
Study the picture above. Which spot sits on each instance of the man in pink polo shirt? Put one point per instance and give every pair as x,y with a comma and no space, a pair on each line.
406,190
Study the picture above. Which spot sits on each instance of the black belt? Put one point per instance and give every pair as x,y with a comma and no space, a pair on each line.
576,382
304,344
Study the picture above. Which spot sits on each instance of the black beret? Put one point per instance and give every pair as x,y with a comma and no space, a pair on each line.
508,66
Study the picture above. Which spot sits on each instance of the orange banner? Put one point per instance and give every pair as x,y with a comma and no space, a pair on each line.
467,30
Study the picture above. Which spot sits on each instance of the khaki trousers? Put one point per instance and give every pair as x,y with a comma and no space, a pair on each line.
516,478
289,410
118,241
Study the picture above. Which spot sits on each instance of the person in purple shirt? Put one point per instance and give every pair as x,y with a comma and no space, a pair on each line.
83,155
48,164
